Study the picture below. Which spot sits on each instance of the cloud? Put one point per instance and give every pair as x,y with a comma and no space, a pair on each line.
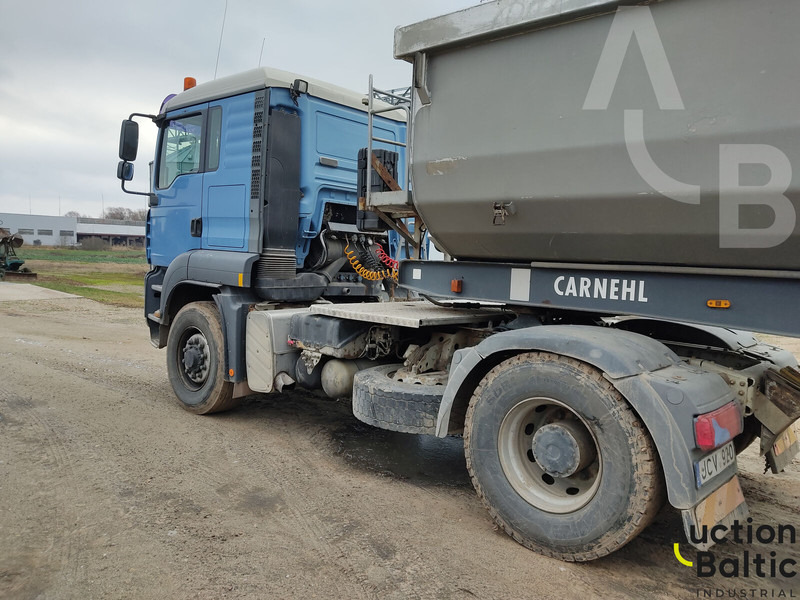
71,71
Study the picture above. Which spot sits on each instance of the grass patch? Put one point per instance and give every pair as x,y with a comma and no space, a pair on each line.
82,256
114,298
113,277
108,287
100,279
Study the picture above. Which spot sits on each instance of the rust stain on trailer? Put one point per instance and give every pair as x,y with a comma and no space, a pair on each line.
443,166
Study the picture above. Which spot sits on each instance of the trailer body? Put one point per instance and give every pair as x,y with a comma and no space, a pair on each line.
661,135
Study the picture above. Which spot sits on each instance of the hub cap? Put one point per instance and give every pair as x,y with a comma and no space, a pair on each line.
195,359
549,455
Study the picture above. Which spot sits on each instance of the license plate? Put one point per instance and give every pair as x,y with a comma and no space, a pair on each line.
785,442
723,506
783,451
713,464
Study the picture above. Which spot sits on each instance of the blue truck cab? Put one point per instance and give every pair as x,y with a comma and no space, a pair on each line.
231,147
254,195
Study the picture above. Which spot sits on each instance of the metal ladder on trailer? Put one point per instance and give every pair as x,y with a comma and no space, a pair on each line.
394,207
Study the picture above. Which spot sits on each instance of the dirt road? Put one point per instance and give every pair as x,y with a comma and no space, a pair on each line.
109,490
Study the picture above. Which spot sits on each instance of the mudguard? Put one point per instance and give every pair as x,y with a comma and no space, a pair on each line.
228,274
708,335
205,268
665,392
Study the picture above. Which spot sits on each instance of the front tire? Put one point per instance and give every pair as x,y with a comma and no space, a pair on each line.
560,460
196,362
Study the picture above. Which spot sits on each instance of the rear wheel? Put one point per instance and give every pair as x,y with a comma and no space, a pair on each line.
195,360
558,457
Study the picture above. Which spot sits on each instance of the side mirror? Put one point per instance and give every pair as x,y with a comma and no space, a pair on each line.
125,171
128,142
299,86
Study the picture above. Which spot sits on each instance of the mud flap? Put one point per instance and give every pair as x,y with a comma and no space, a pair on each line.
722,507
777,410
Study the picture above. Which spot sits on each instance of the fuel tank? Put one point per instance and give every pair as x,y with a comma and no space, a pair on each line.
593,131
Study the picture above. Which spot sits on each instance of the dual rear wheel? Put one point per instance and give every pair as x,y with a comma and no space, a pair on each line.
559,458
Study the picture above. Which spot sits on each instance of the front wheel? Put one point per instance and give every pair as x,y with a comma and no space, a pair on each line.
195,360
560,460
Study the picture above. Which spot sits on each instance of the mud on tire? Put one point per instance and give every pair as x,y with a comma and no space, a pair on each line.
196,361
579,517
380,401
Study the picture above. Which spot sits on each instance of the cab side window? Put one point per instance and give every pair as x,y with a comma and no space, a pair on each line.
181,149
214,137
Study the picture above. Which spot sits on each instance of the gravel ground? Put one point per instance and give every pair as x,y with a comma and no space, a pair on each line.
108,489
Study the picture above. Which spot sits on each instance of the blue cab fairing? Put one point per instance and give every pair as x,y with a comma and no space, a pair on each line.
216,188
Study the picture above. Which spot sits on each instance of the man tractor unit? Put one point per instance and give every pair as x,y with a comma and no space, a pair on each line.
612,188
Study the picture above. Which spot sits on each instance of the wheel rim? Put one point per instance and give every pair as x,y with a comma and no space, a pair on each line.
194,359
559,470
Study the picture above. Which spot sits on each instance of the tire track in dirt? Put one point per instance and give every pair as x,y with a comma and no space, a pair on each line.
299,515
35,436
309,443
285,497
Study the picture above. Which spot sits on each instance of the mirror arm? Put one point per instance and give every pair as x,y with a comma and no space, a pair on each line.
152,198
153,118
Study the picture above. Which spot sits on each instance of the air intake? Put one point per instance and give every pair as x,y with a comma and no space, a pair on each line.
277,264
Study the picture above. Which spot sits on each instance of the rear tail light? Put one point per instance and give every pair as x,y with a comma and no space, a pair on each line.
717,428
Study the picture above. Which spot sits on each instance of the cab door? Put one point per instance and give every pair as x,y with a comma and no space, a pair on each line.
227,208
176,219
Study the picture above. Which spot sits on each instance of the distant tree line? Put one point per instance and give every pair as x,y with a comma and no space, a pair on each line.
116,212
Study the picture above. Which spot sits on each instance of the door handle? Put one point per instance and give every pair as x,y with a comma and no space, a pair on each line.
196,227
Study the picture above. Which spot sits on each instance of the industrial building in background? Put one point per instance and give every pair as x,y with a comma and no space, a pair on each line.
46,230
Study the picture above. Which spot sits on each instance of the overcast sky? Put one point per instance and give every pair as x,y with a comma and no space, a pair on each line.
70,71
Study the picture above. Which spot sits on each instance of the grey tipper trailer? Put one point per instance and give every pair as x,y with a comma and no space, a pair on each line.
569,132
582,160
615,190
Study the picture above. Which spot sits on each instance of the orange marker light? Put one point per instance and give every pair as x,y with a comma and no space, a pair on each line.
230,372
456,285
189,83
718,304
